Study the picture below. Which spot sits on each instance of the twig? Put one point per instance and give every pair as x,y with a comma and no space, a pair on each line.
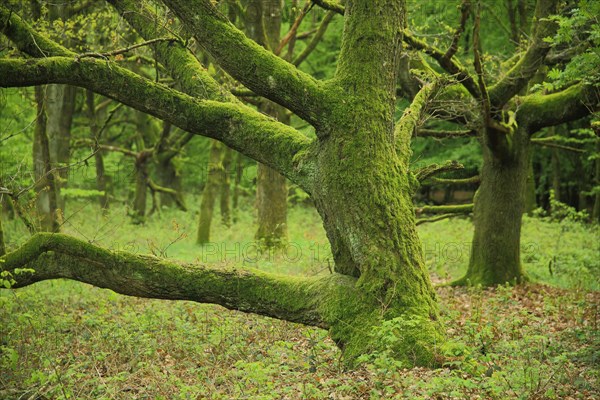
124,50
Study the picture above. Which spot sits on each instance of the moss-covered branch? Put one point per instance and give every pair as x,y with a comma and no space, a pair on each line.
520,74
412,116
537,111
257,68
27,39
240,127
297,299
182,65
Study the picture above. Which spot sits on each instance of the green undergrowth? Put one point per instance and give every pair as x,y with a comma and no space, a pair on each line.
62,339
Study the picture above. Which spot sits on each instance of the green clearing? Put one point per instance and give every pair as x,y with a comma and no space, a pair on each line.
62,339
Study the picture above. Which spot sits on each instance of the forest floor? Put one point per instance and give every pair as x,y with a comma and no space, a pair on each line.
62,339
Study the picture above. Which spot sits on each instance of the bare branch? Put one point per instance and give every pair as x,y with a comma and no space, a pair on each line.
331,6
448,209
316,39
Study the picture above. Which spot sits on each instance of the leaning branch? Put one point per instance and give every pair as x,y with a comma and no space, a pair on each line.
537,111
248,62
297,299
241,128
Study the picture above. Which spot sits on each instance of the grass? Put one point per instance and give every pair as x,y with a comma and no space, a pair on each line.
62,339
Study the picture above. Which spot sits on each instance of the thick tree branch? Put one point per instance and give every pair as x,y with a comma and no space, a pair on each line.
519,75
26,39
182,65
256,67
297,299
241,128
537,111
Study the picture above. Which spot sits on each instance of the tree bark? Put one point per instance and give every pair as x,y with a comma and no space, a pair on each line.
263,24
224,195
46,201
209,194
2,243
101,177
499,206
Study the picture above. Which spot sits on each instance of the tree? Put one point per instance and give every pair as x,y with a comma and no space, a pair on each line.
506,112
356,170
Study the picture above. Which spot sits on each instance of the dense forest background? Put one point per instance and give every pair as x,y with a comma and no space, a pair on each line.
77,162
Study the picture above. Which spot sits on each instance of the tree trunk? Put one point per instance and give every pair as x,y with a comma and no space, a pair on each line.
263,23
556,174
142,176
2,243
46,202
499,205
226,187
596,209
239,172
101,178
530,198
60,107
209,194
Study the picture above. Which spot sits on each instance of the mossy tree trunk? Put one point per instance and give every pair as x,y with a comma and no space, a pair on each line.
499,205
356,170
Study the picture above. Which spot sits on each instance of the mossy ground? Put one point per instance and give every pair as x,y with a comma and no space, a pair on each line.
62,339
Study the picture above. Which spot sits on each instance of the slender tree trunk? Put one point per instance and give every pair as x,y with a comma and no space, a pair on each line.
596,209
226,187
46,202
101,178
263,23
530,199
239,172
142,175
499,206
60,107
2,243
209,194
556,175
